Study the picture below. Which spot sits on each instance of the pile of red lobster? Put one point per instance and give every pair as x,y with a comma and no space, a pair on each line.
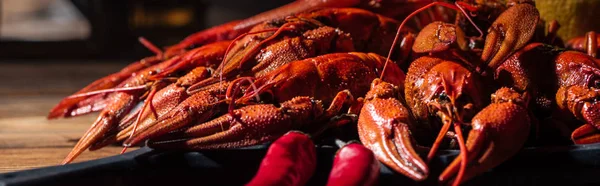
314,66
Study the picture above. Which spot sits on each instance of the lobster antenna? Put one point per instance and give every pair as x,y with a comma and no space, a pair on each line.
110,90
460,5
147,103
237,85
185,60
463,154
150,46
222,65
411,15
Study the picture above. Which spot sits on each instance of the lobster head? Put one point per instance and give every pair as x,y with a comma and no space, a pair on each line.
453,90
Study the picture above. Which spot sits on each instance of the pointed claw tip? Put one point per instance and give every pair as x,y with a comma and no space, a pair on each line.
65,162
129,142
55,114
133,141
69,158
421,173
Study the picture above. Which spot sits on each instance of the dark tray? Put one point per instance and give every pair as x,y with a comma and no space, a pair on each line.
566,165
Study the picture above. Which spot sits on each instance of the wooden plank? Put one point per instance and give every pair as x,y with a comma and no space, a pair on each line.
29,158
31,142
27,139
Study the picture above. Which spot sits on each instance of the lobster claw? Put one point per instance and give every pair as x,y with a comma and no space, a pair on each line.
588,133
581,102
107,119
199,107
511,31
499,132
393,146
383,127
246,126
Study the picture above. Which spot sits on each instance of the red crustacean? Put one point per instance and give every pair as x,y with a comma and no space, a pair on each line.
529,70
270,54
449,91
271,44
384,127
328,78
498,132
568,86
301,66
447,85
120,102
72,106
159,103
274,53
290,160
311,43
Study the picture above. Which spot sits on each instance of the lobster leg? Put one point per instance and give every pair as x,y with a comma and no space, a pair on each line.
499,131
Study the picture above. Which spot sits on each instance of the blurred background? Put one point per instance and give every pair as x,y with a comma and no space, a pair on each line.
52,48
108,29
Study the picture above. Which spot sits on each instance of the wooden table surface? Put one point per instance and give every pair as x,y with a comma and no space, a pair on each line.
27,92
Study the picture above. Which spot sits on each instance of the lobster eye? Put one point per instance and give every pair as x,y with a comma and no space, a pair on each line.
443,97
597,83
192,46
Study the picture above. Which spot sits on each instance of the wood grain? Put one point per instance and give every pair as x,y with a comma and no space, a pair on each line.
28,91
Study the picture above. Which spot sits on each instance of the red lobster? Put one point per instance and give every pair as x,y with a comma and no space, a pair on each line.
124,98
446,85
330,79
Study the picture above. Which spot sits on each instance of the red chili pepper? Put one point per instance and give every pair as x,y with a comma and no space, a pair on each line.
291,160
354,164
